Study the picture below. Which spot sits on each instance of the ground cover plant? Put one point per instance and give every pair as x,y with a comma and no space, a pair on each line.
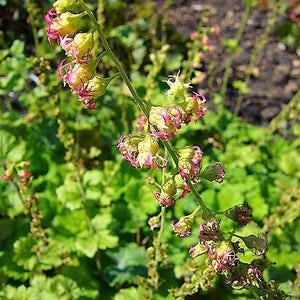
124,175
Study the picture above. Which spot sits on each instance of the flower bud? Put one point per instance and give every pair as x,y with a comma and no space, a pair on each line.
182,228
148,154
166,195
177,88
214,172
241,214
167,120
189,163
154,222
62,6
8,174
78,47
197,250
257,244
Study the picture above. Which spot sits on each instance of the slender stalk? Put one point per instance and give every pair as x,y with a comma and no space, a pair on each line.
160,233
115,60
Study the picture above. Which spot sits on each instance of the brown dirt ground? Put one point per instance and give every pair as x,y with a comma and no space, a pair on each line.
277,76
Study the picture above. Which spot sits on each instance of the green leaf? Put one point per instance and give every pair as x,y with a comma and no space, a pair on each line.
17,48
130,261
131,293
23,253
87,243
69,194
229,196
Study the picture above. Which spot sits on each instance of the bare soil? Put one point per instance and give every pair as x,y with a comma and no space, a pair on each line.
277,67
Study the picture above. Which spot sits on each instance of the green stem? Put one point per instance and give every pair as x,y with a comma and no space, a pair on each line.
160,233
116,61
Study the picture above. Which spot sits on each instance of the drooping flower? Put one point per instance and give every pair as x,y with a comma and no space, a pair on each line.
189,163
25,176
63,24
78,47
241,214
214,172
197,249
182,228
194,107
142,151
222,257
94,87
165,120
74,74
209,232
166,195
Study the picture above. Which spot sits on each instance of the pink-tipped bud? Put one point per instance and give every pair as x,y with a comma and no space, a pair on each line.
8,175
241,214
257,244
214,172
197,250
182,228
78,47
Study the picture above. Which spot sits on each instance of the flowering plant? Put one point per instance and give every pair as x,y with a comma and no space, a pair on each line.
151,147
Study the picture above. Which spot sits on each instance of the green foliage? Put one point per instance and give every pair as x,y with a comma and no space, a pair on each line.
87,234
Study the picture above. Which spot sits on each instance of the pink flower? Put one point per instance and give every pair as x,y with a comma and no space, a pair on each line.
209,232
222,257
165,120
241,214
142,151
63,24
164,199
74,74
189,163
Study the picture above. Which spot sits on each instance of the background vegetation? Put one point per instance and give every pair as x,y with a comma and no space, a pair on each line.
77,229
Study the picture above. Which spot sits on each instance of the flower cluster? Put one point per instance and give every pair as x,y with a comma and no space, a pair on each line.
142,151
81,49
162,123
223,253
20,170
